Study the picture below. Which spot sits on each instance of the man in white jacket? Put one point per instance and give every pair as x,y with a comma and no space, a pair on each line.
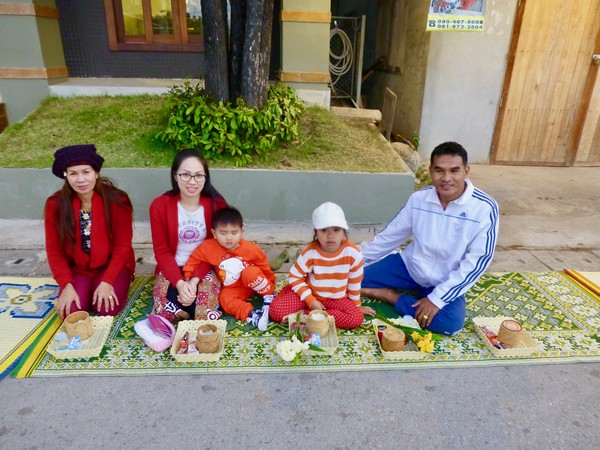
453,227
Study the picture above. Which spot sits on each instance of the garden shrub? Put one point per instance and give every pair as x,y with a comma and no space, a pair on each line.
221,129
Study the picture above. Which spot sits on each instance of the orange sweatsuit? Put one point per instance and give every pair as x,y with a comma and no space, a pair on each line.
243,271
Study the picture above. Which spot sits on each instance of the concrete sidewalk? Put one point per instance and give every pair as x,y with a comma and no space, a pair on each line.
549,221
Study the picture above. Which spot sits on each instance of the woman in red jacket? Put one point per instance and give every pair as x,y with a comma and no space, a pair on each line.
180,220
89,230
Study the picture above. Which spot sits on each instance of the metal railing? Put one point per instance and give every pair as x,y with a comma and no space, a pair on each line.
346,48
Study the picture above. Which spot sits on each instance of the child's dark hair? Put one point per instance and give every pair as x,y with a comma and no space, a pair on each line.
227,216
450,148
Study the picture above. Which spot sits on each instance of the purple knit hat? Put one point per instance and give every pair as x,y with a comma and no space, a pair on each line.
74,155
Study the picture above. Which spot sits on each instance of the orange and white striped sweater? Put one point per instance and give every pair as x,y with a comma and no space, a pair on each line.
318,275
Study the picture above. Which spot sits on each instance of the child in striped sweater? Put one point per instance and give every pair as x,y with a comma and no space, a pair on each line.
326,275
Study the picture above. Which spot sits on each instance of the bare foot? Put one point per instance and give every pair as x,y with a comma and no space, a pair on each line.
387,295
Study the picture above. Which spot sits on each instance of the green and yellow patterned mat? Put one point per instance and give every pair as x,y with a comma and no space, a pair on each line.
561,314
26,308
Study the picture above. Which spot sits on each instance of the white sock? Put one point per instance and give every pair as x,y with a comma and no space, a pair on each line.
267,299
263,322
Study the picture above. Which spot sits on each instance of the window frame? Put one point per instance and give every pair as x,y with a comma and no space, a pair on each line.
179,41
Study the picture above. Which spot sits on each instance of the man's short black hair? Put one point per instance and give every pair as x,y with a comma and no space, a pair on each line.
227,216
450,148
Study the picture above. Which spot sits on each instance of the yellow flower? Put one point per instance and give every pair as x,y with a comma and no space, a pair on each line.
424,342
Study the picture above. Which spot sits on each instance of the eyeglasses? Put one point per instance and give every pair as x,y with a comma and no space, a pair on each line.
186,177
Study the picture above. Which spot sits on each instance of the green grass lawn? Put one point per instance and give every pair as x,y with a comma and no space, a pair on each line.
122,128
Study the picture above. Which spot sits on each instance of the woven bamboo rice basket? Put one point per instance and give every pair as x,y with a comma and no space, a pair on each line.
79,324
316,325
207,338
392,339
510,333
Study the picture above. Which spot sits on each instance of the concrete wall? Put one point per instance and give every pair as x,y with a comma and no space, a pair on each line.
50,43
409,84
465,74
261,195
28,42
22,96
305,50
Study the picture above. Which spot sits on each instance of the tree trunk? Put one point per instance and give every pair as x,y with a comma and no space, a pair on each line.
214,18
236,46
257,52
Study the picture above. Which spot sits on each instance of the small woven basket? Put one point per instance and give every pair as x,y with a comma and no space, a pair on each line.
192,327
510,333
316,325
207,338
79,324
528,345
392,339
91,347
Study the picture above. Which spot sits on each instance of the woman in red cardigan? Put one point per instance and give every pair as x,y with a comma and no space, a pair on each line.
89,230
181,219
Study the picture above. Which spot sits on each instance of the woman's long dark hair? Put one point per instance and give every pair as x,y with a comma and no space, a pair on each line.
65,221
208,190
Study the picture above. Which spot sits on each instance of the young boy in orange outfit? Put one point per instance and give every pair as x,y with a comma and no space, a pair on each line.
242,267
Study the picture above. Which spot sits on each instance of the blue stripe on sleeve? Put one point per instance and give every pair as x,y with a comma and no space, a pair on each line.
484,261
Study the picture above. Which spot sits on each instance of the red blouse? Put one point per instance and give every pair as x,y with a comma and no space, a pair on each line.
164,226
107,256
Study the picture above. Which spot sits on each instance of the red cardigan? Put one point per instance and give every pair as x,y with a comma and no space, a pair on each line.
107,256
164,226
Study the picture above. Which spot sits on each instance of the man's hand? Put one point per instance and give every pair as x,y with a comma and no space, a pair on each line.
426,311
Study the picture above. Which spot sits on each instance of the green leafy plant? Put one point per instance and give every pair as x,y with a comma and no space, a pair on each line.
415,141
408,331
221,128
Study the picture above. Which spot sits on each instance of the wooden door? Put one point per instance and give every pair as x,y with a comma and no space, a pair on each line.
540,120
587,136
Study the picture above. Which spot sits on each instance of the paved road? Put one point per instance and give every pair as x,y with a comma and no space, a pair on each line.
550,221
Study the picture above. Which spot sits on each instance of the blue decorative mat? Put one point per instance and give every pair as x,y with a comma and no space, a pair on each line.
25,307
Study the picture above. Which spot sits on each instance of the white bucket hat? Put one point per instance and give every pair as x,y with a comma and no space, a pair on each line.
329,215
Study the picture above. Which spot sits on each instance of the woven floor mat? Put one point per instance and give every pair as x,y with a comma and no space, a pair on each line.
589,280
25,306
558,312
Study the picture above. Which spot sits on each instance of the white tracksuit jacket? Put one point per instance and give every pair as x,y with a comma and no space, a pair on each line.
450,248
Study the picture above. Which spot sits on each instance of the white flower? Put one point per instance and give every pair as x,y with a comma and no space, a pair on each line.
290,349
298,346
286,351
284,346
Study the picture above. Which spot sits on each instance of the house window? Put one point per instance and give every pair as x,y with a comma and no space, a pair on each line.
154,25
